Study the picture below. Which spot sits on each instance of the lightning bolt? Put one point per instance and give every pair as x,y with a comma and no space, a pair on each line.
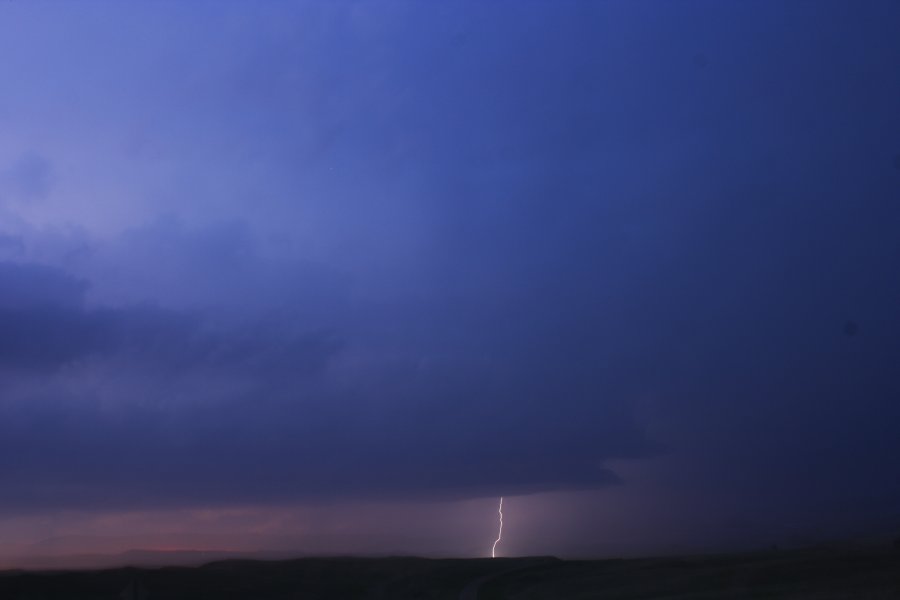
499,533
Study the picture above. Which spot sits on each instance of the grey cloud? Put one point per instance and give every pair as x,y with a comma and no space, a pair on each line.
270,414
221,266
30,286
468,251
11,246
30,177
44,323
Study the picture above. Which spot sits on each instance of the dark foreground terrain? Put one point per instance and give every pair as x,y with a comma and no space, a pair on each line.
859,573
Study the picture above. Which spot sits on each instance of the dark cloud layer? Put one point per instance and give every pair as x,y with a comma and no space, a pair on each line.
46,325
389,250
260,413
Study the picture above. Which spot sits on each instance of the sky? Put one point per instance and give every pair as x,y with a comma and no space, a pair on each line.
335,276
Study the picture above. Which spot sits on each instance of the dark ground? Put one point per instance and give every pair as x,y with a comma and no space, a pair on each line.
824,573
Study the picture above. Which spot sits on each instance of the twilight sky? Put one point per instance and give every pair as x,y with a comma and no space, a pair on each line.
336,275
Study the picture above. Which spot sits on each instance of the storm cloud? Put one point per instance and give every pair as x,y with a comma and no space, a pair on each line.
308,252
142,405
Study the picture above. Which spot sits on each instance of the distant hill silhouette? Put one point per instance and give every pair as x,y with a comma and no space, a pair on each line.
834,572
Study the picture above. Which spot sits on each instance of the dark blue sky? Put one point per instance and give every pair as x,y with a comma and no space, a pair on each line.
382,262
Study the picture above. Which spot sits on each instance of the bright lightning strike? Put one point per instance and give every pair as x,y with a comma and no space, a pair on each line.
499,533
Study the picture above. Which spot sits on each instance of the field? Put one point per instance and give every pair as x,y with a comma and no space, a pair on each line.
858,573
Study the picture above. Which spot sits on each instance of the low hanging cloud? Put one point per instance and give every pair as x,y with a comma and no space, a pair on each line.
137,406
47,326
